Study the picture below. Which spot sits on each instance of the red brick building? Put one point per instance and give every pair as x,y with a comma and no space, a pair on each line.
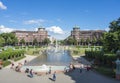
77,34
30,36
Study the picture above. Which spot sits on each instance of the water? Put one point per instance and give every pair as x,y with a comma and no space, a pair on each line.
59,58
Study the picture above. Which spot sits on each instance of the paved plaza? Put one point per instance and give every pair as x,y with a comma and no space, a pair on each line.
8,75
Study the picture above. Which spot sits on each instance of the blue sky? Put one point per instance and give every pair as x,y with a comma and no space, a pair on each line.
57,16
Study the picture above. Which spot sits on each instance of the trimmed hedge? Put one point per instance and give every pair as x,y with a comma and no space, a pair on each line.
10,54
100,58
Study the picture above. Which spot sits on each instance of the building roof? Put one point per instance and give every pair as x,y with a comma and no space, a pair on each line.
24,31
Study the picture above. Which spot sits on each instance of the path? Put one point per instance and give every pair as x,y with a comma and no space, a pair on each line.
10,76
28,58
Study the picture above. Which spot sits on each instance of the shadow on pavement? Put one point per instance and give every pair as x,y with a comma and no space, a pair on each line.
51,79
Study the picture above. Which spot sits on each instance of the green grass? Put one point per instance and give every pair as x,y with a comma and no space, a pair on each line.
77,51
30,51
19,58
6,63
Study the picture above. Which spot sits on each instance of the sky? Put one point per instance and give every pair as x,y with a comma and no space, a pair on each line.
57,16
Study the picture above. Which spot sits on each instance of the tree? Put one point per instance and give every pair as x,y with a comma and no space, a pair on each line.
100,41
115,26
10,38
88,41
111,42
112,38
94,40
9,41
35,41
82,41
46,41
2,41
62,42
22,41
70,41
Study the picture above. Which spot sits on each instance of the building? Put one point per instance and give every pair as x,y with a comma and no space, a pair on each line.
77,34
31,36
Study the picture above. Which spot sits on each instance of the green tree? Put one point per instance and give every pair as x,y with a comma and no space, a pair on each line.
35,42
94,40
82,41
46,41
88,41
2,41
112,38
9,41
71,41
10,38
22,41
100,41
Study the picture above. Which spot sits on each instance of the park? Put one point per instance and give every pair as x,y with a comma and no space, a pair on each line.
93,58
59,41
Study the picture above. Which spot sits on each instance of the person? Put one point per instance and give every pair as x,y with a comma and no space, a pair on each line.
1,64
12,65
49,72
25,62
81,68
27,70
31,73
71,67
66,69
54,76
17,68
88,67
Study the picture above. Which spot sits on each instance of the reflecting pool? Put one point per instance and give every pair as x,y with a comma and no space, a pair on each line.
51,57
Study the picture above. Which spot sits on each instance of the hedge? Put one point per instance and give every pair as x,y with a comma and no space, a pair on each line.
10,54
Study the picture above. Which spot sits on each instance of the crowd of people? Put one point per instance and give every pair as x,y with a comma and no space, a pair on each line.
18,66
81,67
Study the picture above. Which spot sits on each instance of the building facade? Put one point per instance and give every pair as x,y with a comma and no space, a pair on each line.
30,36
79,35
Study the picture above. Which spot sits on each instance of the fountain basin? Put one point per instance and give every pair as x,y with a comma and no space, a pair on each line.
42,69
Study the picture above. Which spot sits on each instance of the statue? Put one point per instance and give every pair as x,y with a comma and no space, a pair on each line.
117,69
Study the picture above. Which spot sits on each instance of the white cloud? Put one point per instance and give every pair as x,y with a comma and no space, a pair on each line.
35,29
107,29
55,29
37,21
4,29
2,6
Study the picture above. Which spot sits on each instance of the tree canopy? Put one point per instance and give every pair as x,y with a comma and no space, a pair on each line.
112,38
9,38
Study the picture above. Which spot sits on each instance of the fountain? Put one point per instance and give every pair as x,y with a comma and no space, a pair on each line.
56,46
55,57
44,67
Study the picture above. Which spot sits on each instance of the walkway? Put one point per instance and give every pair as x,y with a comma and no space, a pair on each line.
28,58
10,76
